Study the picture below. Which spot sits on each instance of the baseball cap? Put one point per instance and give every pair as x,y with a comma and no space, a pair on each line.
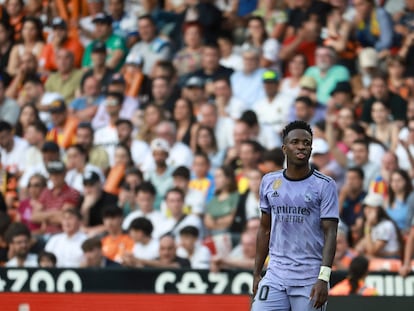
320,146
373,199
270,76
50,146
160,144
368,57
343,86
117,78
90,178
308,83
59,22
56,106
134,59
102,18
194,82
55,167
98,47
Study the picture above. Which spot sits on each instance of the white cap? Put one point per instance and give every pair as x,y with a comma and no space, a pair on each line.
374,199
368,57
319,146
160,144
134,59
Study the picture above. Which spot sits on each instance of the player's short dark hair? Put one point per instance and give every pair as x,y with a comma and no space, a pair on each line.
183,172
91,244
17,229
112,212
143,224
47,255
176,190
147,187
190,230
296,125
358,170
275,155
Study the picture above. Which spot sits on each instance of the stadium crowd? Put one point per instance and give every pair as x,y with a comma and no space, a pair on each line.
136,132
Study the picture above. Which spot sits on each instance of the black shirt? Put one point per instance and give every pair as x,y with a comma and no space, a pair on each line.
317,8
95,212
396,103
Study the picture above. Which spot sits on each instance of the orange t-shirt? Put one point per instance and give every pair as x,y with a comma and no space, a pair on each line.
115,247
343,288
48,57
66,136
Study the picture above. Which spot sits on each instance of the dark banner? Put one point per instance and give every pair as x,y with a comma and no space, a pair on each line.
163,281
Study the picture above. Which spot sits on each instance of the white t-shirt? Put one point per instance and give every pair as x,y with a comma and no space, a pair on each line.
200,258
107,138
139,151
148,251
157,219
189,220
14,160
67,250
30,262
75,179
386,231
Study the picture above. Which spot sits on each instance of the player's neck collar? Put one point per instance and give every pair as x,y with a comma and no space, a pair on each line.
299,179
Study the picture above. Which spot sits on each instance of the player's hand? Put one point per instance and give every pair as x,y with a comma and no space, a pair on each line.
256,281
404,270
319,293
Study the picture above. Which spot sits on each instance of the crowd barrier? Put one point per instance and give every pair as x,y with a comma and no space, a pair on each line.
169,290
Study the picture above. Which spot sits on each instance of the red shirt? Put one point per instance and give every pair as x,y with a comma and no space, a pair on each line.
307,48
25,211
52,202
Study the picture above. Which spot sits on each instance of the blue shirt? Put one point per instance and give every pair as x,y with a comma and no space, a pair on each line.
248,88
82,102
399,213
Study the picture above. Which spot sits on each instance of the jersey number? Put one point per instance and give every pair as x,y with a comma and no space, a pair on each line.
264,292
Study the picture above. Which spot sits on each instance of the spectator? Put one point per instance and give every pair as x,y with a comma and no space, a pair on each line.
167,257
132,180
202,179
227,103
99,69
229,57
66,246
185,122
46,260
77,164
389,163
32,41
6,41
15,14
93,257
28,115
354,283
97,155
272,160
381,236
188,59
9,110
145,199
67,79
326,73
397,83
138,84
151,47
18,237
86,25
37,183
85,107
250,154
344,254
162,93
289,85
64,126
397,207
12,149
306,110
193,91
52,202
116,48
115,243
351,196
406,266
247,84
222,128
373,25
94,202
124,23
32,92
190,248
5,222
241,257
382,128
60,40
221,209
145,247
405,148
174,201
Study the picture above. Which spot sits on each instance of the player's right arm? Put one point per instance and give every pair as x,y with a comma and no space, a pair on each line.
262,249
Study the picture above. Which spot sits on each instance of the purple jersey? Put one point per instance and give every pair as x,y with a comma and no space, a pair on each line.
296,239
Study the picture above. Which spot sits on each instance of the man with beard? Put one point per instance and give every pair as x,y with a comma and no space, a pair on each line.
18,237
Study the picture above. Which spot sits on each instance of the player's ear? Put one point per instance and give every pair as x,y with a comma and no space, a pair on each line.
284,149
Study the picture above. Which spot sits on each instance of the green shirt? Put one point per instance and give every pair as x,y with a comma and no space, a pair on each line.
217,209
113,43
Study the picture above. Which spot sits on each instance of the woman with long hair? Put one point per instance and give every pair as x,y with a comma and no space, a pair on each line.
399,189
185,122
221,209
206,143
153,115
32,41
381,236
289,85
28,115
6,44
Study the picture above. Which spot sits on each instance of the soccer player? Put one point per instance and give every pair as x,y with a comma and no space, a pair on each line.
297,229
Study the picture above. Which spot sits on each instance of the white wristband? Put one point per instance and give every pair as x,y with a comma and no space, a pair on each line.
325,273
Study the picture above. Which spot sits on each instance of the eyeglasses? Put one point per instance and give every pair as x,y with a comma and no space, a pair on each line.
35,185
